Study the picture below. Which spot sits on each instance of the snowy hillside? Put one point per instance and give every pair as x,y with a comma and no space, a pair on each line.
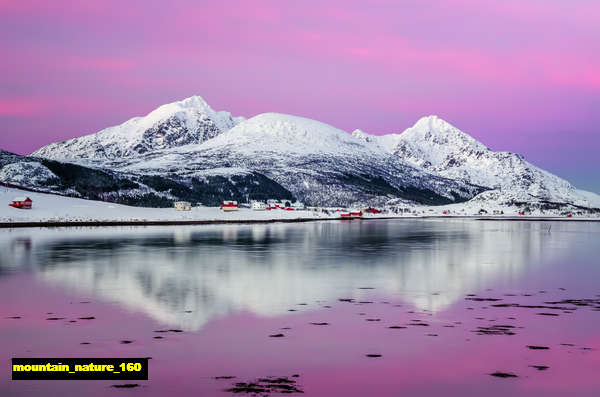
436,146
76,180
430,163
180,123
317,163
27,173
378,142
283,133
53,208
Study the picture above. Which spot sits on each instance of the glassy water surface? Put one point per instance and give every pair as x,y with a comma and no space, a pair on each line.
464,299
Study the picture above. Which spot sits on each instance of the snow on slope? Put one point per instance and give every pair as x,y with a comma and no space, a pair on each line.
27,173
315,161
282,133
384,143
318,163
438,147
50,207
191,120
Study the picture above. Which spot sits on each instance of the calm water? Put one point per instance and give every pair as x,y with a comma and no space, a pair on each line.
229,287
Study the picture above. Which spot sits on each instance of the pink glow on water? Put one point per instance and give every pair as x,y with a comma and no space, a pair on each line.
330,359
230,287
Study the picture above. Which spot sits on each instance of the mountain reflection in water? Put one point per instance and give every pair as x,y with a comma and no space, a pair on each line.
268,268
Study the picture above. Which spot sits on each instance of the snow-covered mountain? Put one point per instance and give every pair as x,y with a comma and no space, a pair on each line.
188,121
318,163
432,162
436,146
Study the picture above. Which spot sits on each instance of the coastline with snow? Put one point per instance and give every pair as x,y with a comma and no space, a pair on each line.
53,210
186,151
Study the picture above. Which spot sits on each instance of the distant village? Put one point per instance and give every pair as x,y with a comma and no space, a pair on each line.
283,205
287,205
397,210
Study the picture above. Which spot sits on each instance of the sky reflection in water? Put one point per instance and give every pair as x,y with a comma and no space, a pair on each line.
229,287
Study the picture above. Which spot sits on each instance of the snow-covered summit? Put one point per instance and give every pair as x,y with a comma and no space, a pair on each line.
385,143
184,122
438,147
360,134
283,133
432,141
432,161
319,164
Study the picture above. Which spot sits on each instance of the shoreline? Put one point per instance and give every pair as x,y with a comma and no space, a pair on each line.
10,225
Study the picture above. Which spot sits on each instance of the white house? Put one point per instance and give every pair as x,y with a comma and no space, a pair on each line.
259,206
298,205
182,206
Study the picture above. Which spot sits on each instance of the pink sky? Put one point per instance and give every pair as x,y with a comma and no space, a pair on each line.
519,75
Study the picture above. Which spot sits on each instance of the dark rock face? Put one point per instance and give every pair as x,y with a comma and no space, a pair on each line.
172,133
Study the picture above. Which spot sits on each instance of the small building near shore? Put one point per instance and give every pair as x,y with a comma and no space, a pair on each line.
273,204
229,206
259,206
182,206
23,203
297,205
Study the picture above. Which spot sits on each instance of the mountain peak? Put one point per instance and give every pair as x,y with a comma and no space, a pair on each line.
193,101
189,121
439,132
287,134
360,134
434,124
193,104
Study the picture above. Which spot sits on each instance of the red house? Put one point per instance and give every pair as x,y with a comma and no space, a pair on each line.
356,214
229,206
372,210
23,203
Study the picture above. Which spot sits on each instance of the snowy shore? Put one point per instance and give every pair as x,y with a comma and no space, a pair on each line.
53,210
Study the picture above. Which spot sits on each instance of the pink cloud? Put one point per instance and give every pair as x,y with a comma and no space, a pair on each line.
20,107
99,63
589,79
359,52
44,106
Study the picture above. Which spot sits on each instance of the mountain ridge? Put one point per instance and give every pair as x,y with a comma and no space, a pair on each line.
442,149
316,161
190,120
